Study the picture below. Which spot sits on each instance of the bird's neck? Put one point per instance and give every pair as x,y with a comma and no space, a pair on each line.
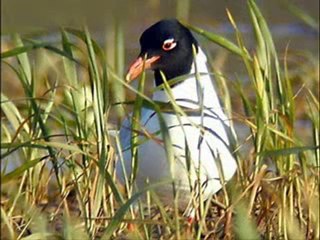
191,88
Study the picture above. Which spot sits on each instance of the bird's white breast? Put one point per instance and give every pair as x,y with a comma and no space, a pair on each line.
207,145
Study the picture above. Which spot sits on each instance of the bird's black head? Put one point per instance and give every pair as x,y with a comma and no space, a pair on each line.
168,46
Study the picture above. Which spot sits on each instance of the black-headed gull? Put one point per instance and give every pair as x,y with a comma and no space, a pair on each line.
199,139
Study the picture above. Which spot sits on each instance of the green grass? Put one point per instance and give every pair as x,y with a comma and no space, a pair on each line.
63,119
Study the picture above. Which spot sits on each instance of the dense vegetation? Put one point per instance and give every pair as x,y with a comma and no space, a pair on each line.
59,131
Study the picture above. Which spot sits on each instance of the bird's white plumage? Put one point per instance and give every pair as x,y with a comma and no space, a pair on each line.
206,148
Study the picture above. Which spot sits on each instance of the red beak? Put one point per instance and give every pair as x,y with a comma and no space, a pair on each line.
136,67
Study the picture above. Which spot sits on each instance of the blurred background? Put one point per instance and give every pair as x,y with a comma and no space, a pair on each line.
38,16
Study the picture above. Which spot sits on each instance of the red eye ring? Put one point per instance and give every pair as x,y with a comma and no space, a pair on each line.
169,44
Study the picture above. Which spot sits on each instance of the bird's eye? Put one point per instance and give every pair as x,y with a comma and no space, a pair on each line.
169,44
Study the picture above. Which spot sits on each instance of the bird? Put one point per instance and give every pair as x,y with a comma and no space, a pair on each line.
201,159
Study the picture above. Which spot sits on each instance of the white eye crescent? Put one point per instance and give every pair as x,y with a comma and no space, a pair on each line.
169,44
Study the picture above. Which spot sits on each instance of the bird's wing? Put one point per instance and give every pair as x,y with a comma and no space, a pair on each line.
126,127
